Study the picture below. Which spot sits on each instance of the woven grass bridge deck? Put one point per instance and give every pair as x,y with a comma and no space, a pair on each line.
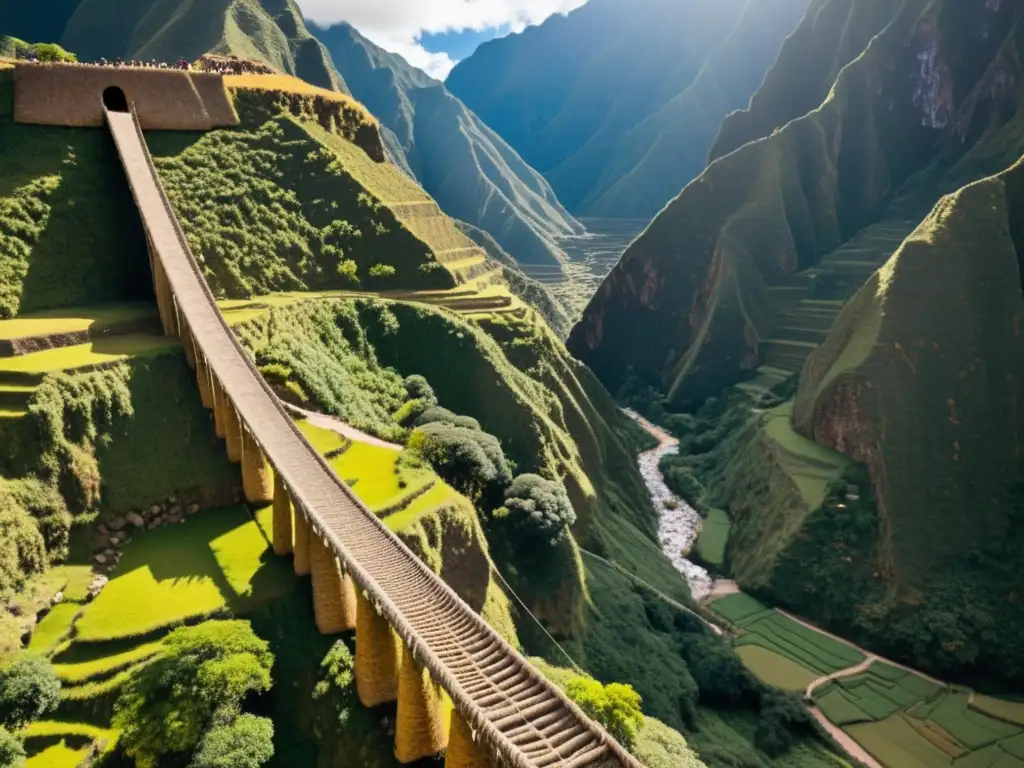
516,717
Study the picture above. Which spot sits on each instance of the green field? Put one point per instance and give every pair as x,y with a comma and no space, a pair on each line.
714,536
58,756
99,352
63,321
738,607
812,650
218,560
774,669
811,467
380,480
54,626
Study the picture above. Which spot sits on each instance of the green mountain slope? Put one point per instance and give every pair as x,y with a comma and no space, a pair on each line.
823,259
618,104
471,172
744,254
265,30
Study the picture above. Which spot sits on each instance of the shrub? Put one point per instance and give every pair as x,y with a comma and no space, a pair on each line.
418,388
50,52
682,481
439,415
12,751
615,706
538,509
471,461
29,689
245,742
382,270
196,686
719,672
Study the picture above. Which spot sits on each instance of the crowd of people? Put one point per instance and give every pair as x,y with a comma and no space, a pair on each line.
213,64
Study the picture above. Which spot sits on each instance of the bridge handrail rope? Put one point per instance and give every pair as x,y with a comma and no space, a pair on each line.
418,647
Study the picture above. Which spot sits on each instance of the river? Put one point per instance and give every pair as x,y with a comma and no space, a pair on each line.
678,523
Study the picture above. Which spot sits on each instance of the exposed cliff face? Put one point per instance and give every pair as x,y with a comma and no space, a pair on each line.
717,270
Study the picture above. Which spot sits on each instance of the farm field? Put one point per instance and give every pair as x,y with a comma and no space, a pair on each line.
93,319
713,538
902,719
769,630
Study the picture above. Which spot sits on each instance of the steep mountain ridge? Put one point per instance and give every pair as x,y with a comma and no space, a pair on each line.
265,30
864,256
718,268
618,104
472,173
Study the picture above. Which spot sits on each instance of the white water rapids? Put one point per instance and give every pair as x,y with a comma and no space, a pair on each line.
678,523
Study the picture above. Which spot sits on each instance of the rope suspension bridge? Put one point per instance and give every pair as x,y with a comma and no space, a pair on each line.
460,688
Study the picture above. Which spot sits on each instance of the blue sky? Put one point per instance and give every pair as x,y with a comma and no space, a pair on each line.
460,45
435,34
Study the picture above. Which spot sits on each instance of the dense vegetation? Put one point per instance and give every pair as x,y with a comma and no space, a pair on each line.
618,105
63,200
471,172
189,699
271,209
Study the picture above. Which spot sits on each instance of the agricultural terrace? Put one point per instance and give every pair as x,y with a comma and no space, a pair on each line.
902,719
216,563
779,650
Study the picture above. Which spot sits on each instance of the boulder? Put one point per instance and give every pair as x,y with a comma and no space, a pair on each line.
135,519
193,509
118,523
58,598
155,510
101,559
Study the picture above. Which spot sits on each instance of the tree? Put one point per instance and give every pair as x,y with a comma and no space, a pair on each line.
538,508
198,683
12,751
245,742
615,706
471,460
50,52
29,689
781,713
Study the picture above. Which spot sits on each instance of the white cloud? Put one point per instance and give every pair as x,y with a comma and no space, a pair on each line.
396,25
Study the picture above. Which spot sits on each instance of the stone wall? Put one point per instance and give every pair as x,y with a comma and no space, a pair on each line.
165,99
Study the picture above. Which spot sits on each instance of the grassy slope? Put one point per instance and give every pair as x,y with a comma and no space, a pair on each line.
777,206
471,172
63,201
265,30
288,193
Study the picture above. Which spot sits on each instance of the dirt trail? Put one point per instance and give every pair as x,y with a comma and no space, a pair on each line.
842,673
851,747
340,427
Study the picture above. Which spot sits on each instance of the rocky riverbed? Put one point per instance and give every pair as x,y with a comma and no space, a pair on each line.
678,523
